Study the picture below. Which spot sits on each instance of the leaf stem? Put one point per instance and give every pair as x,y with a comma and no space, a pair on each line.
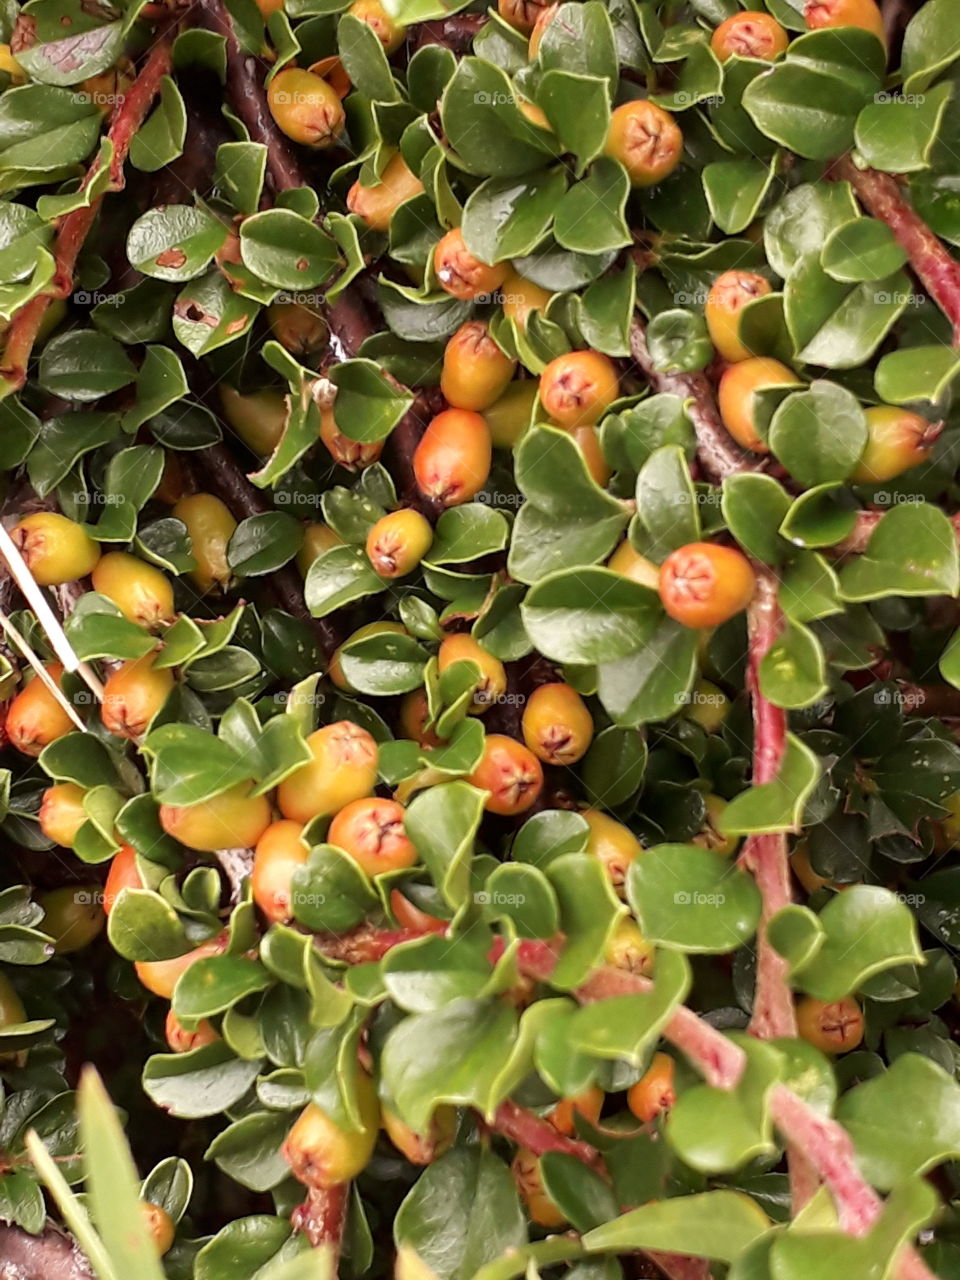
538,1135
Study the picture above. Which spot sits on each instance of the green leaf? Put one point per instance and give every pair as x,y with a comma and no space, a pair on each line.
898,136
483,124
666,502
793,671
368,404
578,108
690,899
735,190
189,765
442,822
213,983
931,42
916,373
625,1027
710,1224
819,434
754,507
911,552
862,249
84,365
589,911
652,683
776,805
286,250
175,242
161,137
508,217
590,218
338,577
589,615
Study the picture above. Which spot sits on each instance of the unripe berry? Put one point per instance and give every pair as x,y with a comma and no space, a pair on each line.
317,538
133,694
710,836
398,542
475,370
578,388
409,916
371,831
452,461
279,852
704,584
414,714
232,820
896,441
511,773
62,813
519,297
728,295
335,669
72,916
526,1174
802,868
139,590
654,1092
845,13
509,417
557,727
735,397
493,677
707,705
634,566
305,107
350,454
629,950
390,34
35,718
343,768
461,273
12,1012
588,1104
162,976
123,874
422,1149
160,1226
749,35
377,205
210,526
646,140
300,329
834,1026
56,550
257,417
181,1040
520,14
321,1154
612,844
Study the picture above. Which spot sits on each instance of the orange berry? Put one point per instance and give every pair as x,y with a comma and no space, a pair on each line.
543,20
160,1226
301,329
493,676
845,13
520,14
704,584
475,370
398,542
654,1092
735,397
834,1026
422,1149
35,718
305,107
452,460
409,916
141,592
390,34
55,549
557,727
62,813
511,773
377,205
133,694
646,140
343,769
749,35
526,1174
461,273
123,874
347,453
414,714
728,295
181,1040
279,852
162,976
588,1104
612,844
322,1154
896,441
519,297
371,831
578,388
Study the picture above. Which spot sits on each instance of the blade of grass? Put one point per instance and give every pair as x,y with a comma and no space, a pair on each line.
74,1215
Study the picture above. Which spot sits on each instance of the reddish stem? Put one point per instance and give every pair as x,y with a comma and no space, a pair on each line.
322,1216
856,542
369,943
538,1135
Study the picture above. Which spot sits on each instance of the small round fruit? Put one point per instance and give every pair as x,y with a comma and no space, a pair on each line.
749,35
398,542
234,819
588,442
802,868
588,1104
703,584
377,205
707,705
578,388
371,831
654,1092
519,297
123,874
614,845
317,538
475,370
629,950
646,140
279,852
182,1040
511,773
322,1154
896,441
493,676
335,669
526,1174
462,274
133,694
419,1148
728,295
834,1026
409,916
299,328
845,13
353,455
390,34
520,14
343,769
452,461
162,976
509,417
56,550
634,566
710,836
735,397
62,813
35,718
210,525
141,592
160,1227
12,1012
305,107
72,916
557,727
414,714
257,417
543,20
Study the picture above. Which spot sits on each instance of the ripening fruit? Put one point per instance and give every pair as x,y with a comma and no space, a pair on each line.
419,1148
11,66
749,35
845,13
139,590
390,34
279,852
588,442
160,1226
232,820
12,1011
646,140
704,584
409,916
475,370
123,874
72,916
268,8
317,538
371,831
452,461
398,542
300,329
526,1174
343,768
736,392
557,727
710,836
351,454
519,297
181,1040
133,694
613,844
493,677
321,1154
654,1092
35,718
162,976
509,417
335,669
256,417
629,950
578,388
62,813
707,705
834,1026
414,714
896,441
543,20
210,526
377,205
56,550
802,868
461,273
728,295
588,1104
634,566
305,107
511,773
520,14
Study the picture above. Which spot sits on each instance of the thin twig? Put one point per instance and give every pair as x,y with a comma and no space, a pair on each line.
21,642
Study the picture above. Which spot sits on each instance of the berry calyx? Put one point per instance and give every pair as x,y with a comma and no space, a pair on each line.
749,35
461,273
704,584
832,1026
557,726
398,542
